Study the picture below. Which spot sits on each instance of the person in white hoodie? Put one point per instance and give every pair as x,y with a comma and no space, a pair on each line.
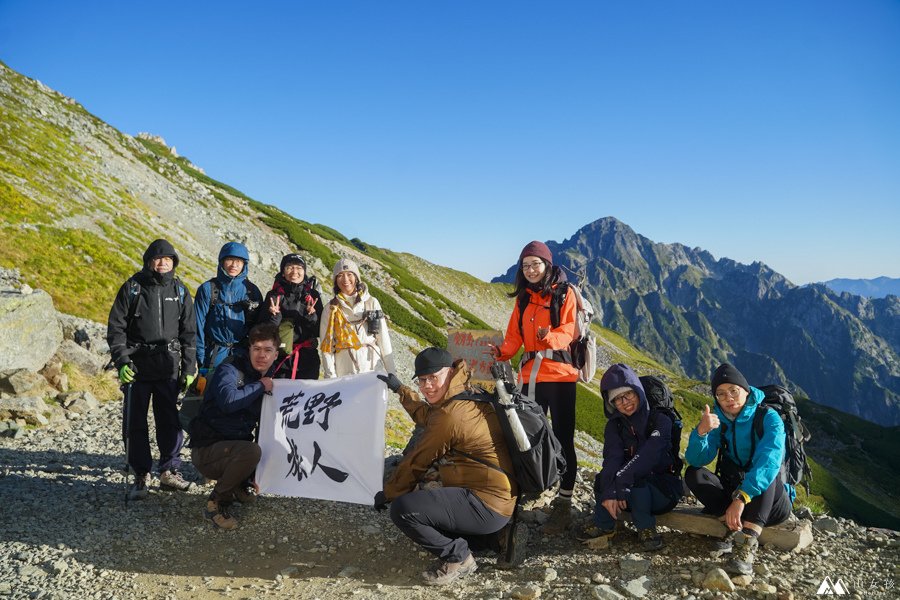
353,331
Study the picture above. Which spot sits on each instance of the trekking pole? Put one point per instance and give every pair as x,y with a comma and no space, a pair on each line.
127,428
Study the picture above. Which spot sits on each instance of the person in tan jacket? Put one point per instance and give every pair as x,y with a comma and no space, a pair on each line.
476,501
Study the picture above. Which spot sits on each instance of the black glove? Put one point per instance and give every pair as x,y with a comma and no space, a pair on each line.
391,381
380,500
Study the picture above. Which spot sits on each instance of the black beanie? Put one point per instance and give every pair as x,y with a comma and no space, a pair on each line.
727,373
292,259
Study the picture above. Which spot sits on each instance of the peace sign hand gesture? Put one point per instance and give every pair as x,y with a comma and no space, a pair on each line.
275,304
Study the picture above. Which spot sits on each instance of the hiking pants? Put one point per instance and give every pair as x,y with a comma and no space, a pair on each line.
644,502
770,508
559,398
229,462
447,521
169,437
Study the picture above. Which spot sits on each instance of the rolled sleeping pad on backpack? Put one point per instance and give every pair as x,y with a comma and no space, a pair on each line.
512,417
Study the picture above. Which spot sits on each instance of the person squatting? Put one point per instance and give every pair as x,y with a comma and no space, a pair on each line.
238,340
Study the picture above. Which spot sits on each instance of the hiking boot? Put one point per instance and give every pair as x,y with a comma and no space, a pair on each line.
513,539
744,552
172,480
560,516
217,512
650,539
590,532
445,572
725,545
138,490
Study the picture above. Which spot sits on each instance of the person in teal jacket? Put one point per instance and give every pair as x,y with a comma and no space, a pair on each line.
747,488
225,308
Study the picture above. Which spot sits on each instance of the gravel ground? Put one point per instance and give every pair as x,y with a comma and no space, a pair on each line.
67,533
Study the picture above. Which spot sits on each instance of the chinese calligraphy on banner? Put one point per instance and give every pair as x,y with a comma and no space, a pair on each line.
323,439
472,345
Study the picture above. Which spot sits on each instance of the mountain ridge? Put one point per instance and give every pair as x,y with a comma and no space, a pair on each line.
879,287
694,311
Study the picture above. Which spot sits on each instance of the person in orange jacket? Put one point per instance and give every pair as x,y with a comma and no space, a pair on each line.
546,365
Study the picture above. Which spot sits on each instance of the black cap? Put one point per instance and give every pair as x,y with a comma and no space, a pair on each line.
292,259
727,373
432,360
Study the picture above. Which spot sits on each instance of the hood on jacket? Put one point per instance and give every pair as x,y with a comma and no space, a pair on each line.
459,380
160,248
619,376
237,250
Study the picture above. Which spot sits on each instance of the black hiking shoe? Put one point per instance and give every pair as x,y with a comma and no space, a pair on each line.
650,539
560,516
138,490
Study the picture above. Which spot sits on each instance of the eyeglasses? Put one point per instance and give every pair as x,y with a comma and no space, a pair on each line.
533,266
624,397
294,268
428,380
734,392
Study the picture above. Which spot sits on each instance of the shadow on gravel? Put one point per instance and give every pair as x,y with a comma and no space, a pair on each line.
75,502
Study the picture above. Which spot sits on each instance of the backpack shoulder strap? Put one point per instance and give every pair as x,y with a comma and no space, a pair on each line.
557,299
134,291
182,290
759,418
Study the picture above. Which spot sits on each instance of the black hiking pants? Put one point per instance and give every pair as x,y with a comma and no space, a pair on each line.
448,522
163,394
558,397
770,508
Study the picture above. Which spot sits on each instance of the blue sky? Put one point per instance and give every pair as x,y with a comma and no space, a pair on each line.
459,131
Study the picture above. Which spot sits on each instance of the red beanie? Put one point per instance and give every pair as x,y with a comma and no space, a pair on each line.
539,249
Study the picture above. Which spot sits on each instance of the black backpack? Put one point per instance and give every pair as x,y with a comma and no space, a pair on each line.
539,467
794,466
661,400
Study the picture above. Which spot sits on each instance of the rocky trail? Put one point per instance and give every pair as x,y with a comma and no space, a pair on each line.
67,533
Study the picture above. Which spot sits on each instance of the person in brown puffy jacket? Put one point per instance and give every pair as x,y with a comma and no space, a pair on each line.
477,501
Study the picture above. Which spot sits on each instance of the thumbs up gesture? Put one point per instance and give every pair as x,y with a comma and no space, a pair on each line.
708,421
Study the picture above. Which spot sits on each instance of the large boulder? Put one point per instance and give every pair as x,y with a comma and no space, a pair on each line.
29,330
86,361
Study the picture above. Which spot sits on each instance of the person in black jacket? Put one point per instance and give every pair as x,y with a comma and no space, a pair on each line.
637,473
152,339
222,446
295,301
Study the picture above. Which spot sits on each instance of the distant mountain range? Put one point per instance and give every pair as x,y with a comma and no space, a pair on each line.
879,287
692,311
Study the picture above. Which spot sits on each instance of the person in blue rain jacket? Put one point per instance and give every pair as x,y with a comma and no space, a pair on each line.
225,308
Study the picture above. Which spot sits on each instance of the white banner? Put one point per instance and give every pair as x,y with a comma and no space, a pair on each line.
323,439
